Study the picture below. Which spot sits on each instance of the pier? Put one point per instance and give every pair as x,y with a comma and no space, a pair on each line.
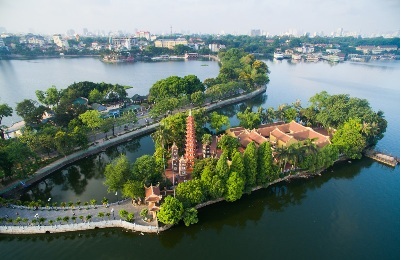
382,157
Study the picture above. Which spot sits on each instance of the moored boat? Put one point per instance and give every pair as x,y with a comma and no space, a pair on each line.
278,55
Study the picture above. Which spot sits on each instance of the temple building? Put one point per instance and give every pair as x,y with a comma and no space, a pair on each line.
279,134
152,198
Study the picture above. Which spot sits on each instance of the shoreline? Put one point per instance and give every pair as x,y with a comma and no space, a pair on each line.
46,229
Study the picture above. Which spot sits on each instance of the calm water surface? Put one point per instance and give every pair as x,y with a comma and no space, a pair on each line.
350,212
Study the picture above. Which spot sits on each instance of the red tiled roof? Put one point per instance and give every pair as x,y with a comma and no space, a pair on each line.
280,135
152,193
255,136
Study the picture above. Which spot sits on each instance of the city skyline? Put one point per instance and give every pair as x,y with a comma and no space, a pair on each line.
207,16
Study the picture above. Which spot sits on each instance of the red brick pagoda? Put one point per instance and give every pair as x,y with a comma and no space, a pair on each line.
190,146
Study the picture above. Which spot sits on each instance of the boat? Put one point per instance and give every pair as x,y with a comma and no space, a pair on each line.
296,56
118,58
312,58
278,55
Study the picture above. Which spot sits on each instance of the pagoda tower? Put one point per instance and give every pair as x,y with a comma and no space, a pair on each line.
174,158
190,145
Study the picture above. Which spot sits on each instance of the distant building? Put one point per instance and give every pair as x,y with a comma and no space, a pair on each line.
256,32
60,42
142,34
122,42
170,43
216,47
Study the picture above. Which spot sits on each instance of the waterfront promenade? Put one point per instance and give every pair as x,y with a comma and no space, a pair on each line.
50,213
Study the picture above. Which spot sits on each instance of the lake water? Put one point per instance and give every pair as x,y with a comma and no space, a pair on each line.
351,212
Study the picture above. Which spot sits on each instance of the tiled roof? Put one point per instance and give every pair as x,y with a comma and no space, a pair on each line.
280,135
152,193
255,136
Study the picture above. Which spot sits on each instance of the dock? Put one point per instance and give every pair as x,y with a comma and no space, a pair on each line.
382,157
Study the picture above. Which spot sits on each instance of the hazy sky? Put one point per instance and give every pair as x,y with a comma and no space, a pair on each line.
205,16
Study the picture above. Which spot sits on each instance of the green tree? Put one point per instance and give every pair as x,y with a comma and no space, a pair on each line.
146,170
117,173
250,165
123,214
171,211
249,119
130,217
5,111
349,139
91,119
237,164
222,168
95,96
133,189
228,144
144,213
217,121
198,98
235,187
30,111
266,168
190,216
207,139
50,97
190,192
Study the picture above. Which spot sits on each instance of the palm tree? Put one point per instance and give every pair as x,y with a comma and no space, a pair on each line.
59,219
281,154
81,218
270,115
74,218
88,217
34,221
86,204
281,111
310,146
78,203
63,204
51,221
70,204
101,215
108,215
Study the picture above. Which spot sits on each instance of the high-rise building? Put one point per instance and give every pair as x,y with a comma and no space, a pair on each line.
256,32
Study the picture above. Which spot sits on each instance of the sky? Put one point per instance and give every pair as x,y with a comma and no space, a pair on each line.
200,16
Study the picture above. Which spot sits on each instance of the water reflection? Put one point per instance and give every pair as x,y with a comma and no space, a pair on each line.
84,179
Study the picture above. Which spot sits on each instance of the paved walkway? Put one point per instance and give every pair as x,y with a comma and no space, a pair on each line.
114,219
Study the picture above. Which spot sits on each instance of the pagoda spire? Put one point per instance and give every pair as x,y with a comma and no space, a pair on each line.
190,144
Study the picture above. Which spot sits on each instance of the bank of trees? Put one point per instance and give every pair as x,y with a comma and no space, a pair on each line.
227,177
239,72
130,179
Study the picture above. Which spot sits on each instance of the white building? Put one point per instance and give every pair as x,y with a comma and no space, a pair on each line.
216,47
